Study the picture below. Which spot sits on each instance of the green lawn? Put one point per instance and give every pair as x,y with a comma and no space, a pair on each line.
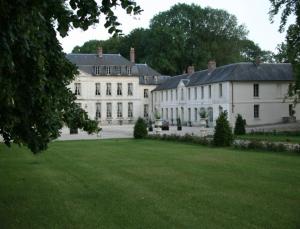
147,184
278,137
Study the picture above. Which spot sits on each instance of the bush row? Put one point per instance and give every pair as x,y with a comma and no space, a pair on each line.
185,138
267,146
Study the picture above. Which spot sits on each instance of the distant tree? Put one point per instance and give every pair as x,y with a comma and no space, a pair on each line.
35,101
140,129
186,35
223,133
292,49
240,125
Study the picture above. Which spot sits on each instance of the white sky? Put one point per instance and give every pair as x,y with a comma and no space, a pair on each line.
252,13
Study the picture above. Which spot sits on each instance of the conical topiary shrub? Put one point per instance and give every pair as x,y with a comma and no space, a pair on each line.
223,133
240,124
140,129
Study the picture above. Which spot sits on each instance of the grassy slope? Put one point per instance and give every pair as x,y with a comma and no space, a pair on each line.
147,184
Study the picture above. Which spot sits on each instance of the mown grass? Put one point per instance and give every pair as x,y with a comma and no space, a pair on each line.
147,184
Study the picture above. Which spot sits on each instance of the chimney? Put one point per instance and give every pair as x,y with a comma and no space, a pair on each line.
257,61
100,52
211,66
132,55
190,70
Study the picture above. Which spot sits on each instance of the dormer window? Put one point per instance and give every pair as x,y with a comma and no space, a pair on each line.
128,70
97,70
155,79
118,70
107,68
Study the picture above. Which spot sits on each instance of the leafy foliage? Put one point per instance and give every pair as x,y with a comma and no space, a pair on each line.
223,133
290,50
35,101
240,124
186,35
140,129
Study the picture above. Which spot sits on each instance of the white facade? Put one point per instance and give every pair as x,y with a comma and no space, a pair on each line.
234,97
126,101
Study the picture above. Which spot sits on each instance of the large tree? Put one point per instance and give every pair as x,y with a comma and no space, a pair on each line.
291,49
35,101
186,35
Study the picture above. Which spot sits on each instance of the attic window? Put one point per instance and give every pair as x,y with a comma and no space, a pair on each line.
107,68
128,70
118,70
155,79
97,70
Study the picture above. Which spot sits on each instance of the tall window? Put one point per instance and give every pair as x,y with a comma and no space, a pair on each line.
256,111
128,69
146,110
177,113
119,89
167,113
171,94
167,95
255,90
146,93
108,110
291,110
176,94
119,110
220,90
98,110
189,93
209,91
97,70
202,92
195,93
189,114
130,89
155,96
77,89
195,114
107,69
172,115
182,95
162,96
162,113
97,87
108,88
130,110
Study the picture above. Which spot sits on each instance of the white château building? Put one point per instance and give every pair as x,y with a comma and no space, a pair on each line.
115,90
112,89
254,90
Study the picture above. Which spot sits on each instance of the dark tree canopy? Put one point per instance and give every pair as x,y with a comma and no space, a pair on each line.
35,101
186,35
291,49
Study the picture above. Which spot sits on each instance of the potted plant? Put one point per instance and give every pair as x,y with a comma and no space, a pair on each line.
179,127
203,118
158,121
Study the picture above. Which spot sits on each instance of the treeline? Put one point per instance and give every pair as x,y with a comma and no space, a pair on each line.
182,36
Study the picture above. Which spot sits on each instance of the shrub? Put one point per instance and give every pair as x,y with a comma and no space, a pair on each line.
140,129
223,133
179,127
240,124
150,127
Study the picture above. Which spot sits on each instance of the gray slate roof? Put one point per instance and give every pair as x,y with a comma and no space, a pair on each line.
87,62
234,72
94,59
145,70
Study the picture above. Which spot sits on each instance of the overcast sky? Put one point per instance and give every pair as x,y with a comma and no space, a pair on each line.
252,13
